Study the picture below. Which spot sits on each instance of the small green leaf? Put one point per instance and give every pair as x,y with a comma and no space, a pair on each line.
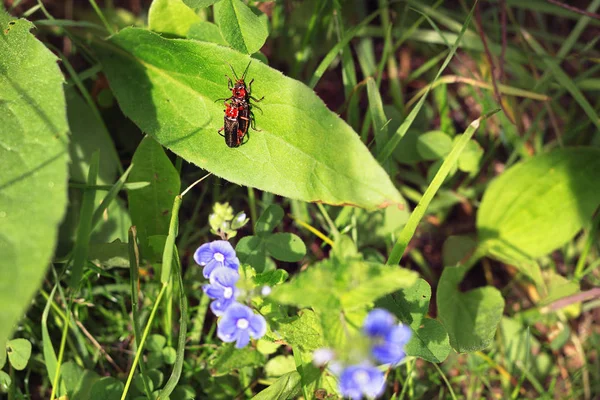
156,343
470,157
252,250
269,219
197,4
138,381
78,382
34,154
539,205
457,249
109,255
227,359
410,305
5,382
205,31
107,388
19,351
168,88
434,145
151,206
286,247
271,278
279,365
286,387
169,355
242,29
471,318
171,17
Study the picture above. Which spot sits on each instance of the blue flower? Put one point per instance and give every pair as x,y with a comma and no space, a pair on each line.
222,289
378,322
357,381
390,337
218,253
239,323
390,350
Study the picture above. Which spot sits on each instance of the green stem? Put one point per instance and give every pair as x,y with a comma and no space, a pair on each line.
143,341
418,213
61,351
101,16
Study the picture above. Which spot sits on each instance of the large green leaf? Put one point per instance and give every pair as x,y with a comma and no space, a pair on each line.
471,318
304,151
286,387
352,285
430,339
539,205
243,30
34,154
151,206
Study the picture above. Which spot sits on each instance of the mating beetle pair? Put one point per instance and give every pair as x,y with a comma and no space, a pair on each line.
238,113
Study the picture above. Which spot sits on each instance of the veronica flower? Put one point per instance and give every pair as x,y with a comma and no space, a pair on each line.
218,253
239,323
390,337
222,289
357,381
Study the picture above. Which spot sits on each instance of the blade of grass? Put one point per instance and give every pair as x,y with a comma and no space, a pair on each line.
84,229
134,263
378,118
48,349
563,78
112,194
183,317
332,54
397,137
419,211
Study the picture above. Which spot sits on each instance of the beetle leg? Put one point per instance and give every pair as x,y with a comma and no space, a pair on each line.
224,99
219,131
255,99
258,108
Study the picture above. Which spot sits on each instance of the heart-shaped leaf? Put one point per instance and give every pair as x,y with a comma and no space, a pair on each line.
410,305
34,154
168,87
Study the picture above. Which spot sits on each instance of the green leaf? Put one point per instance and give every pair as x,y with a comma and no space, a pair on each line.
286,247
410,305
286,387
109,255
169,355
271,278
280,365
77,381
205,31
5,382
171,17
328,285
252,250
151,206
227,359
197,4
303,331
242,29
34,154
457,249
470,157
269,219
156,343
2,355
539,205
19,351
107,388
434,145
88,134
471,318
168,88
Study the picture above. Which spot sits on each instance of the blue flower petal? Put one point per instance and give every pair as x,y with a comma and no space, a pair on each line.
243,339
219,306
224,277
358,380
223,247
378,322
210,267
257,327
203,254
213,291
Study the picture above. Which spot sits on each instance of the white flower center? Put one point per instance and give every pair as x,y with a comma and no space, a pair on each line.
227,292
219,257
361,377
242,323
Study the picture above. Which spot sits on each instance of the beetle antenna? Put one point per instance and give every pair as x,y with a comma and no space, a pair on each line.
233,70
246,70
